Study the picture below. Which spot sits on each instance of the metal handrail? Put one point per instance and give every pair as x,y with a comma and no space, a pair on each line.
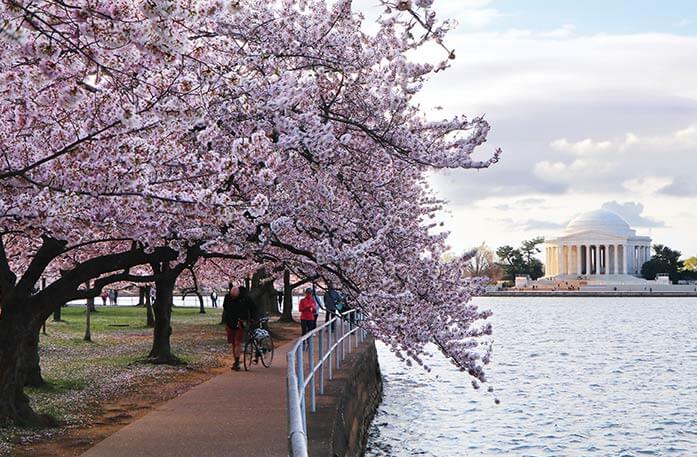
302,371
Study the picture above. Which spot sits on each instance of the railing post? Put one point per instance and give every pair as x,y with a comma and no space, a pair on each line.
297,439
321,355
339,329
330,339
311,356
343,339
301,390
349,335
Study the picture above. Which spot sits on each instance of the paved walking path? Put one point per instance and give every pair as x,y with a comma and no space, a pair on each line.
234,414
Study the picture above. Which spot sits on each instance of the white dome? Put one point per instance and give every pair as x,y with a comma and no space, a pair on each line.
600,220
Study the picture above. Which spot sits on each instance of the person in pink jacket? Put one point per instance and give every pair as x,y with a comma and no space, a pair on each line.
308,310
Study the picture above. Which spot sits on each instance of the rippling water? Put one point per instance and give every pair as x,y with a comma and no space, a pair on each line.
576,377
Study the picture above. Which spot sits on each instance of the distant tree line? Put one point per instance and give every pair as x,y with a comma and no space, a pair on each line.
521,261
506,262
667,260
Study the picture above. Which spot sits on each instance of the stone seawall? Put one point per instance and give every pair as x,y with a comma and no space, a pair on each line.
339,428
559,293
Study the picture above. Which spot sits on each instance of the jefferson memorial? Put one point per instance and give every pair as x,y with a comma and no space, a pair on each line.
597,245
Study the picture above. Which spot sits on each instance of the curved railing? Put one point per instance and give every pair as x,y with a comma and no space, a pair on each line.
307,363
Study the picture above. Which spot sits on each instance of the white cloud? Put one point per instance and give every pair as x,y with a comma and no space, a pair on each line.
479,18
583,147
647,185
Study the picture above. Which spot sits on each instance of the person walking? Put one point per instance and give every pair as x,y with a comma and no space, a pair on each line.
308,310
332,298
105,295
214,299
116,297
236,310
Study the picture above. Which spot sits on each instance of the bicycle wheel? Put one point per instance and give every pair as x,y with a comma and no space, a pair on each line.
266,349
248,356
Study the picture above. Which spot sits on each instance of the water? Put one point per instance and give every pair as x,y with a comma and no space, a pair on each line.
576,377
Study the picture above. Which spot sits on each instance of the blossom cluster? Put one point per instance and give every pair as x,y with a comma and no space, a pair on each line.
267,133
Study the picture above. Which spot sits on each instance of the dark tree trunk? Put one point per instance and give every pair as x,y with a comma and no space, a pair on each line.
287,315
31,361
88,322
161,352
150,322
201,309
141,295
90,305
264,293
16,333
57,314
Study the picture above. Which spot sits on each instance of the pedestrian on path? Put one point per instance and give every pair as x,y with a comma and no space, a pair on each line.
332,299
214,299
105,295
236,309
308,310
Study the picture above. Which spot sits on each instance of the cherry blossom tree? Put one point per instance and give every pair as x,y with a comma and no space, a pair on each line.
141,137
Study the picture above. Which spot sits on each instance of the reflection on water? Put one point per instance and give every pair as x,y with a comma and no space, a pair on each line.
576,377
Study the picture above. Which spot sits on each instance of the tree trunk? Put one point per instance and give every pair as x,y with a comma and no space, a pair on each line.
90,305
31,360
16,333
141,295
88,323
57,314
202,310
161,352
150,322
287,315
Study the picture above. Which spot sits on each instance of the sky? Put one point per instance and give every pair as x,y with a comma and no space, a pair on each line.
594,104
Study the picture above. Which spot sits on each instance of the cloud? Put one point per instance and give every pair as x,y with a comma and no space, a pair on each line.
534,224
681,187
632,213
479,18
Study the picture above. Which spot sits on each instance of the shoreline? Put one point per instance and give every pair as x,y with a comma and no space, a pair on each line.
576,293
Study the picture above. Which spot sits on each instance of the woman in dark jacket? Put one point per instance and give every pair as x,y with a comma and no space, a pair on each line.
236,310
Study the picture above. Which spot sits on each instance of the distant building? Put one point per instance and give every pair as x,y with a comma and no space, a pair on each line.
597,244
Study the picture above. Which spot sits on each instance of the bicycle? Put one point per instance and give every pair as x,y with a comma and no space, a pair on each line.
259,345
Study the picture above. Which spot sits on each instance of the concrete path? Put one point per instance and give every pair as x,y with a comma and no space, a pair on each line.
234,414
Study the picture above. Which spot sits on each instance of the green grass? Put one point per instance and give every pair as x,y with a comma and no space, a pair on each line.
121,318
82,375
55,386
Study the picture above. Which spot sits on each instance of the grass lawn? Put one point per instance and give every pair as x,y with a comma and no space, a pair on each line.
82,375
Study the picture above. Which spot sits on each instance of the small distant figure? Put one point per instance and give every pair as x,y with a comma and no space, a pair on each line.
112,296
104,296
332,300
116,297
308,310
279,300
214,299
153,294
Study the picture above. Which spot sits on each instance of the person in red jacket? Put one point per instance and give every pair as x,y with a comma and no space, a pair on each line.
308,309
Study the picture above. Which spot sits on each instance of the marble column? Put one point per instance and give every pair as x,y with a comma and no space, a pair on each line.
588,259
616,249
578,260
560,262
